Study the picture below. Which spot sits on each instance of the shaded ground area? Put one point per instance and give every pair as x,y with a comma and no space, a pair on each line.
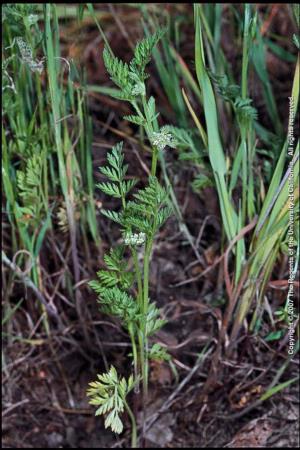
45,378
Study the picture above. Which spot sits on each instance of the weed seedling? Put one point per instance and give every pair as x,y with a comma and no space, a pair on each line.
139,220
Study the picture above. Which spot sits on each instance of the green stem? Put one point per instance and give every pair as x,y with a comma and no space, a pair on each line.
142,354
146,275
138,275
145,310
154,162
245,50
134,351
143,289
146,112
149,130
135,105
245,183
133,424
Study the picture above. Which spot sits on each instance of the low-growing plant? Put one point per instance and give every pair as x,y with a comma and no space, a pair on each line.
123,290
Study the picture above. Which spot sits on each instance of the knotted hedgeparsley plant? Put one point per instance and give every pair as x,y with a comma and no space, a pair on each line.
123,289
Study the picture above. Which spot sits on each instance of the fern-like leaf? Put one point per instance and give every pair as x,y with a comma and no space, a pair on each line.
113,215
137,120
109,393
244,111
118,303
148,211
110,173
163,215
118,71
143,52
229,92
107,279
116,172
110,189
114,260
158,353
153,320
30,190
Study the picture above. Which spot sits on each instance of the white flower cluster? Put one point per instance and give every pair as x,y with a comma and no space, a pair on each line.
139,89
33,19
135,238
26,55
162,139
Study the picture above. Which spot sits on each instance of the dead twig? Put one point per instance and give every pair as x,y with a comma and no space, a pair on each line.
12,407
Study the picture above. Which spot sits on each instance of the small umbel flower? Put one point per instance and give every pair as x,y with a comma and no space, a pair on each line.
32,19
138,89
109,394
163,138
134,238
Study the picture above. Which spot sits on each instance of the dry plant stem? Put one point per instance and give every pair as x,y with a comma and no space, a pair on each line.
64,162
27,281
233,296
260,400
239,236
